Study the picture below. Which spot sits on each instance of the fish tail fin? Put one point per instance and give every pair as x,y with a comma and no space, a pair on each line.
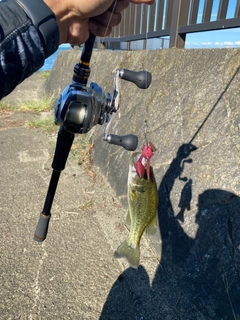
132,254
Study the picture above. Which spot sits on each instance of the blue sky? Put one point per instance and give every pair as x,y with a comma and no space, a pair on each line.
215,39
225,38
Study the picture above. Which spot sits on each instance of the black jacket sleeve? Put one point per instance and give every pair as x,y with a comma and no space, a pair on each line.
21,50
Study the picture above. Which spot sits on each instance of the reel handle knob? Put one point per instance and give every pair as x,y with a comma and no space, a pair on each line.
142,79
128,142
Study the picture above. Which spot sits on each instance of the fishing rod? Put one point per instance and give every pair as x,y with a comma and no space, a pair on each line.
77,110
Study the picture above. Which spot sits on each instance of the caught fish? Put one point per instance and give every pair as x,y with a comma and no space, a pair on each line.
142,205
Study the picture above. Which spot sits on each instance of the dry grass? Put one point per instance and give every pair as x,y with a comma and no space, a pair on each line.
44,120
81,149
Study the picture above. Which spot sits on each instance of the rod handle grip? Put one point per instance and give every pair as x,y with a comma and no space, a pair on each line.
87,49
42,227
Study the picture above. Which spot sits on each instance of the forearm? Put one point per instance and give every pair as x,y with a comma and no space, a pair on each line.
62,12
21,51
31,31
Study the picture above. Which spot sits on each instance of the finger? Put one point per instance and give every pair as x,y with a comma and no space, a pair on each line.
98,29
108,19
78,32
119,6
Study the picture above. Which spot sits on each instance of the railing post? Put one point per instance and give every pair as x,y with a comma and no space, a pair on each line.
177,40
207,11
144,44
237,10
222,10
98,43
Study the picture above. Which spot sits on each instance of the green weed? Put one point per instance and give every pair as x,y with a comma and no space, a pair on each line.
46,124
45,74
31,105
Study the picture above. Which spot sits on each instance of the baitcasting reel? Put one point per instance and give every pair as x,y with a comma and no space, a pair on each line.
78,109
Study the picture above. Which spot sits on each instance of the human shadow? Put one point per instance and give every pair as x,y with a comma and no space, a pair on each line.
166,217
203,271
197,278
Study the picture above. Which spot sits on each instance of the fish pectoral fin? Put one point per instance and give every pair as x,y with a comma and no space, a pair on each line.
131,253
128,219
152,227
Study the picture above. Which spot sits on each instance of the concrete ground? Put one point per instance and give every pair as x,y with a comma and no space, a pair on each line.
72,274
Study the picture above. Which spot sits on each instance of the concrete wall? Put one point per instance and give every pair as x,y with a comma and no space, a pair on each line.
194,97
192,110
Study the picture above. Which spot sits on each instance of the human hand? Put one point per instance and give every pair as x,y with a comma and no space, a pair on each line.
76,18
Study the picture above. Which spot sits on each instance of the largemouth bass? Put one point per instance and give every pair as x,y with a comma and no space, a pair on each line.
142,208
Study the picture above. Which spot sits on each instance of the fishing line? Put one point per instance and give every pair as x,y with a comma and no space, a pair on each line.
110,18
145,67
146,131
115,85
146,7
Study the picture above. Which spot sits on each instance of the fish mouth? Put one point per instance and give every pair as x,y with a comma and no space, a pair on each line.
135,158
138,166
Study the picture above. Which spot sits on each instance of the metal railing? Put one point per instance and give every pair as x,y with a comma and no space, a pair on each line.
173,19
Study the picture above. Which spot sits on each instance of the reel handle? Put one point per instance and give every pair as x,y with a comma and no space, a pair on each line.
128,142
142,79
